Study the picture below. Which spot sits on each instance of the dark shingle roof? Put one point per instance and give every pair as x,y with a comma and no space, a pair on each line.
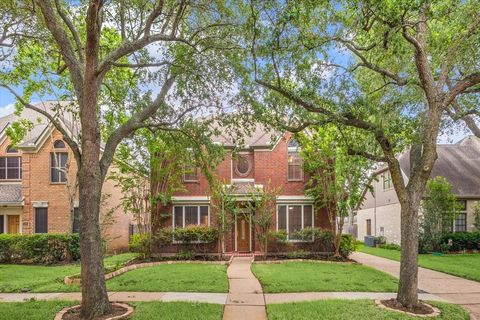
459,163
10,193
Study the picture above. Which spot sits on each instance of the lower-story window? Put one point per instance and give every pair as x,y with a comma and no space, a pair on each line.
294,217
190,215
41,220
460,223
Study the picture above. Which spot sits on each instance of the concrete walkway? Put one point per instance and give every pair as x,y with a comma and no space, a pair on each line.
245,298
217,298
454,289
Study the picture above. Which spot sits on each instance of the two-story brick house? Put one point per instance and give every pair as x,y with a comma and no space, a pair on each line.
37,184
265,160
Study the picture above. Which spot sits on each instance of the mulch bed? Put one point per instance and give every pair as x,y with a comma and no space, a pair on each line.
117,312
420,309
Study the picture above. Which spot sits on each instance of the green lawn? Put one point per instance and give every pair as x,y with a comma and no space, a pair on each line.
41,310
31,278
462,265
179,277
312,276
351,310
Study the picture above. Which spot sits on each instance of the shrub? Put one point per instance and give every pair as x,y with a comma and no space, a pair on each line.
347,245
39,248
462,240
189,234
298,254
185,255
380,240
141,243
390,246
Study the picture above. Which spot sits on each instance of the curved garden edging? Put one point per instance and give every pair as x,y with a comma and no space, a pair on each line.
435,311
76,280
128,312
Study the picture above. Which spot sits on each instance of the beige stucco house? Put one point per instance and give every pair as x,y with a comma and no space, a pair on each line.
379,213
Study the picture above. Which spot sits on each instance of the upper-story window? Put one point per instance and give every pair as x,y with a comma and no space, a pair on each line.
387,180
295,164
12,149
10,168
59,144
190,170
58,163
243,166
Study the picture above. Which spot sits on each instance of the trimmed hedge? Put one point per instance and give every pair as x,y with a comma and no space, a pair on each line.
463,240
39,248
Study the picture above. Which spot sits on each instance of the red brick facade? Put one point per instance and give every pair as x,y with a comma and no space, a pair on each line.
38,190
269,168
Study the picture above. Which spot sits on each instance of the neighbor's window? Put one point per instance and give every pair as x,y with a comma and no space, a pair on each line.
294,217
58,167
10,168
460,223
41,220
295,165
12,149
387,180
190,215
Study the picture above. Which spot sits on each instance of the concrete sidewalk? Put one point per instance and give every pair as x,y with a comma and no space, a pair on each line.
451,288
245,298
216,298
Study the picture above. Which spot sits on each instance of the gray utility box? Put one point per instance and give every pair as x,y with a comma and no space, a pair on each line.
369,241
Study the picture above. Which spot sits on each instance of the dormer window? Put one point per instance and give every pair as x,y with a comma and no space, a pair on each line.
387,180
295,163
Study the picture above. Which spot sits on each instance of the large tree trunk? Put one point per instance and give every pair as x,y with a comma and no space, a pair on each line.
94,293
407,290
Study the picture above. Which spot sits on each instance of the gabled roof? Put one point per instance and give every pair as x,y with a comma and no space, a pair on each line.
259,137
459,163
33,138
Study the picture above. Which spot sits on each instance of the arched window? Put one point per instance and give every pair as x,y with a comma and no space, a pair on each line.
59,144
295,165
12,149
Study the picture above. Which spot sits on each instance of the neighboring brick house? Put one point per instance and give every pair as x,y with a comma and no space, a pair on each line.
37,186
265,160
379,213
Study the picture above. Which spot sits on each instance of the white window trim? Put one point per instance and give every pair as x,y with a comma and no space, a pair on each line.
57,155
302,217
185,180
183,217
9,155
294,151
390,181
466,218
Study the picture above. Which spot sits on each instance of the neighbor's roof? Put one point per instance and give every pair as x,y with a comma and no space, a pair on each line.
11,193
40,122
459,163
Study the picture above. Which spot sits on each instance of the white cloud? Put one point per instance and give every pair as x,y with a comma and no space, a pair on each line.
5,110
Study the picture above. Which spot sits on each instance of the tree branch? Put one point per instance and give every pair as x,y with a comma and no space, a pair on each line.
72,29
68,139
366,155
132,124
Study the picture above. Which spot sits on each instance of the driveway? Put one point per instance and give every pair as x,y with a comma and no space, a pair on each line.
454,289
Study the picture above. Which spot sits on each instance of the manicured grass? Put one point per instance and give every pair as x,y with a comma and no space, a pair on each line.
351,310
41,310
462,265
313,276
31,278
191,277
